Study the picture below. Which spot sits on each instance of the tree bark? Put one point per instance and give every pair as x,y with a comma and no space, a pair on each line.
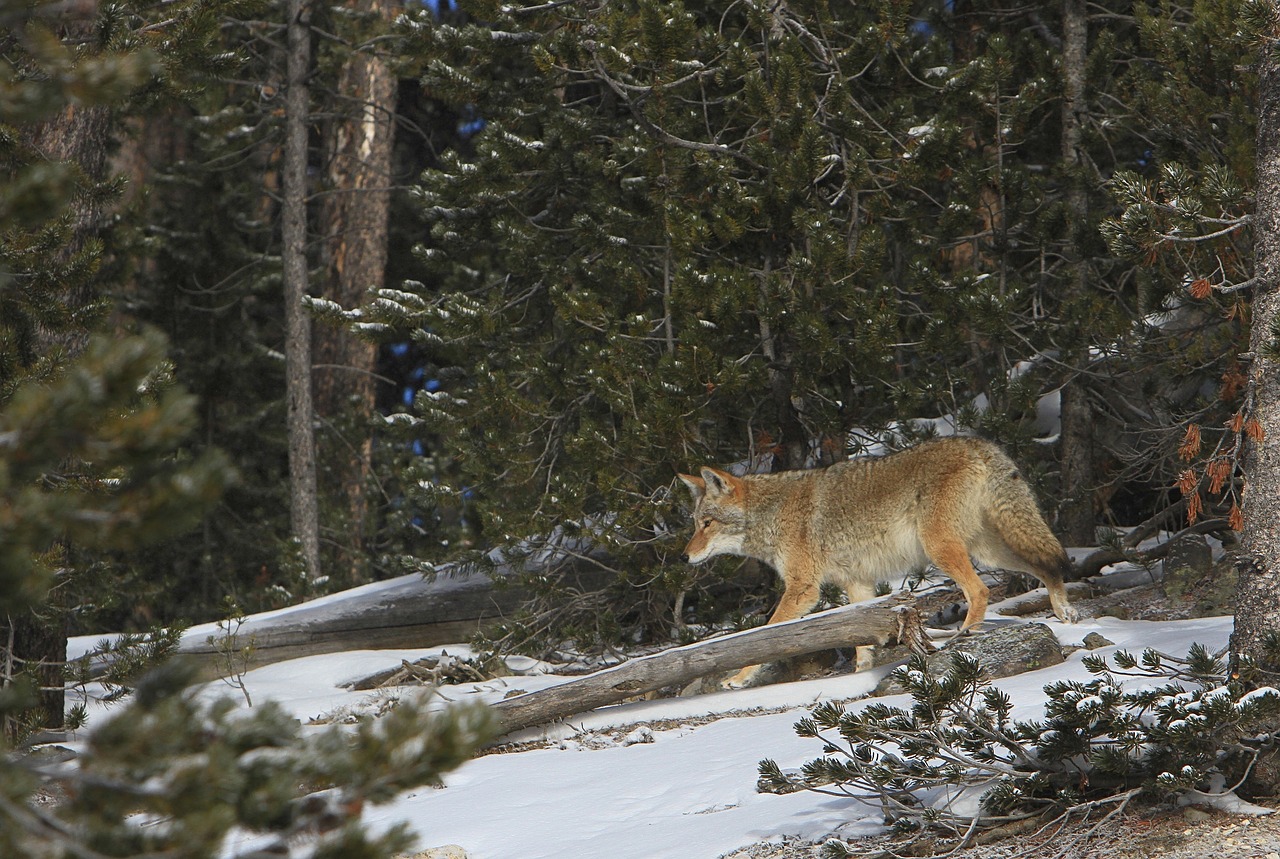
303,511
1076,510
1258,595
356,217
1258,559
867,623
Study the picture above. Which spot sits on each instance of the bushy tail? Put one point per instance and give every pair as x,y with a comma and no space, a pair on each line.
1020,524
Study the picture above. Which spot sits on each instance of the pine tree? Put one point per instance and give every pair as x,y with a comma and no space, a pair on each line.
53,156
1183,226
304,513
207,232
227,783
63,77
706,233
956,760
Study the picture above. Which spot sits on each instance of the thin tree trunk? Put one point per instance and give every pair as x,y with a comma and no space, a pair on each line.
1076,510
1258,560
792,444
356,218
303,511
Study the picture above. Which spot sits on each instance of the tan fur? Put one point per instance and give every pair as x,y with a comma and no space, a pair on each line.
862,521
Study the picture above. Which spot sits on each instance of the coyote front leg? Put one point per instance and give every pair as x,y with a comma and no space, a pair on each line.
796,600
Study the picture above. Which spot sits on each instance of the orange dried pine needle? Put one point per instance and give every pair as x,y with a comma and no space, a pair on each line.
1218,471
1190,447
1194,505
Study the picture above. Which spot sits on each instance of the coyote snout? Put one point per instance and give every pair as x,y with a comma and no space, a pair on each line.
862,521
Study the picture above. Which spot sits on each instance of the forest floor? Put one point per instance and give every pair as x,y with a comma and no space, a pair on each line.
1187,833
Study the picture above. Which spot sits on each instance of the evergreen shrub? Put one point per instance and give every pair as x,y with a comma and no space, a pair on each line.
958,760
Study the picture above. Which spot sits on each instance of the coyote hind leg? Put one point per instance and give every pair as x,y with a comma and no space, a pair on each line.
998,553
951,556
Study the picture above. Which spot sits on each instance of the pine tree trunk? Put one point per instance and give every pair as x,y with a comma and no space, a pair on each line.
1258,560
303,511
81,136
1258,599
355,219
1076,510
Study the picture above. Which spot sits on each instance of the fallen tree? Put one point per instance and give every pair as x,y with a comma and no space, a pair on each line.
875,622
407,612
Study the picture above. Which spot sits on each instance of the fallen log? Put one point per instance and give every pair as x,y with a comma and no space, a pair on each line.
402,613
875,622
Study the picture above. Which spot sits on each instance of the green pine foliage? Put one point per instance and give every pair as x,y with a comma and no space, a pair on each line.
87,460
729,233
1182,221
149,65
212,284
174,774
958,760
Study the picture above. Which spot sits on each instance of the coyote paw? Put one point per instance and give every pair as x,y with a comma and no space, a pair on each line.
1069,615
741,680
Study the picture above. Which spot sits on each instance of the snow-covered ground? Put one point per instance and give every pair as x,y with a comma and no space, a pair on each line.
650,779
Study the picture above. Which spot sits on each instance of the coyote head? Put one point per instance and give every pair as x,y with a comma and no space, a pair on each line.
719,515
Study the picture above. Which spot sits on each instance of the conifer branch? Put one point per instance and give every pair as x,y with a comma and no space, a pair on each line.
664,135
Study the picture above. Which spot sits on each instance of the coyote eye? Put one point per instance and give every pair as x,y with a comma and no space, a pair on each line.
706,523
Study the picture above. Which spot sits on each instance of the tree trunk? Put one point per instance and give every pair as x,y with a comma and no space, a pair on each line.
356,216
791,448
1258,559
303,511
1076,509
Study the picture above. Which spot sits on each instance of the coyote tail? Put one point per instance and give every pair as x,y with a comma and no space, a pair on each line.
1020,524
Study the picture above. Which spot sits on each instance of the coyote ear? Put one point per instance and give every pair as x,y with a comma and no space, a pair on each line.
719,482
697,486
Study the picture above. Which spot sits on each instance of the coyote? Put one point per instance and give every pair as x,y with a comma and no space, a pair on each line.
858,522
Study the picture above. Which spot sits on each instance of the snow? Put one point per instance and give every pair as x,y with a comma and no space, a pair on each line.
661,778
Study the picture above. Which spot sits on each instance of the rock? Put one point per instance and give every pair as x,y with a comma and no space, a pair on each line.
1003,652
1192,578
1188,557
1093,641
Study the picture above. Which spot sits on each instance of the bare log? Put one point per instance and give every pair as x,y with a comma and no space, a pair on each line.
866,623
404,613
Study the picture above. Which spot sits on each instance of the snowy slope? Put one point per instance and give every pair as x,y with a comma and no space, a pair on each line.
683,788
